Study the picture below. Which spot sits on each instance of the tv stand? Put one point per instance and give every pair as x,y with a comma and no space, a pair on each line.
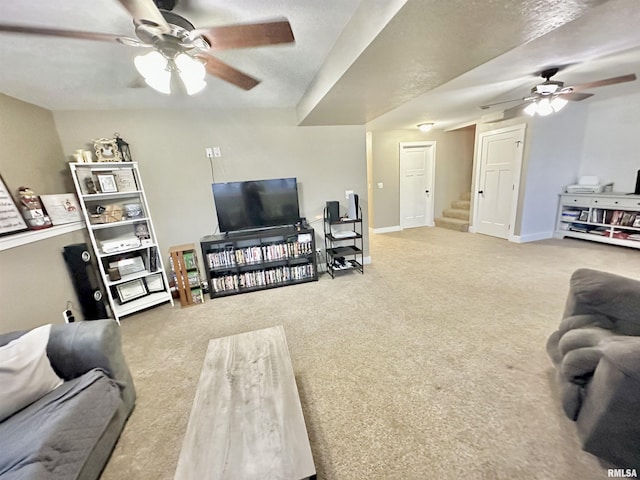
247,261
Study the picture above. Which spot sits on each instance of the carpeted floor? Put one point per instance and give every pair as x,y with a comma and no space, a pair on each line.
430,365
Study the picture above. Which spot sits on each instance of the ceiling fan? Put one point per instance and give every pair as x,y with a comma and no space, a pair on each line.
177,47
551,95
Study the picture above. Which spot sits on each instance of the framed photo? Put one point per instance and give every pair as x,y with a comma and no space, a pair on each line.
11,220
62,208
131,290
107,183
107,150
125,180
155,283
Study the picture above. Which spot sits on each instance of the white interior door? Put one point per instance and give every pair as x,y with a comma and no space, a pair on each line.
417,169
498,181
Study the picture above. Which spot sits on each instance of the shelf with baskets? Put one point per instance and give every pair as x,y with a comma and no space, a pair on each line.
186,274
121,231
612,218
343,243
249,261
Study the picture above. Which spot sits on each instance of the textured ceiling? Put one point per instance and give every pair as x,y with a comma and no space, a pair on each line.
391,63
69,74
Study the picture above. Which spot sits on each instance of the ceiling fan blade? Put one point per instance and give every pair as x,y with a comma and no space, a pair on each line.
54,32
603,83
145,12
484,107
219,69
575,97
249,35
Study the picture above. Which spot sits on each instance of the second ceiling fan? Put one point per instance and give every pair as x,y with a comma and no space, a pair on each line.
176,46
551,95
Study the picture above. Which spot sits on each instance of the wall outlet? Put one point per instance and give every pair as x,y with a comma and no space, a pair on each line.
217,152
380,185
347,193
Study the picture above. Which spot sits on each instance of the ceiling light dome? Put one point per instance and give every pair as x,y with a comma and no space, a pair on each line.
425,127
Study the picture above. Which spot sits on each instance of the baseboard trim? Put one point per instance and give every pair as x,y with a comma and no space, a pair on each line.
534,237
395,228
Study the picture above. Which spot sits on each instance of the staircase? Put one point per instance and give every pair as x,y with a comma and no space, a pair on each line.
456,217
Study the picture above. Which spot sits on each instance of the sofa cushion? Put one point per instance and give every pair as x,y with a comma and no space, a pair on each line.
578,365
54,437
585,320
583,337
612,295
25,371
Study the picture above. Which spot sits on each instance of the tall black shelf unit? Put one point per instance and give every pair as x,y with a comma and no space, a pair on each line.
343,244
244,262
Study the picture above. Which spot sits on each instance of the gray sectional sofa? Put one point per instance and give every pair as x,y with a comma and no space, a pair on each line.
71,431
596,351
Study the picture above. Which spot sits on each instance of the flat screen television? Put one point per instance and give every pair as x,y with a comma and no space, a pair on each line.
256,204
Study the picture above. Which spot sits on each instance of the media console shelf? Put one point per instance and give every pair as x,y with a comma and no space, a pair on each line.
600,217
248,261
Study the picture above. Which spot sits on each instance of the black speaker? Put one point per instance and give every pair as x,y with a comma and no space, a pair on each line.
637,191
333,211
85,281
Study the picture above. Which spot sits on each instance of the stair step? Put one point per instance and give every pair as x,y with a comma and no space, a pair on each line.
466,196
461,204
456,213
452,224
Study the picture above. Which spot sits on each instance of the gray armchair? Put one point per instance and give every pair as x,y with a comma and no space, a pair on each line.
59,443
596,351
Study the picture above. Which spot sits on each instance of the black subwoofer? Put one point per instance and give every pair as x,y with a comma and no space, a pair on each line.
85,279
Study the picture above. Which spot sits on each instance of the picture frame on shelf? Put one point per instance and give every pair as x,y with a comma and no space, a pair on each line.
155,283
11,220
107,150
125,180
107,183
131,290
62,208
141,230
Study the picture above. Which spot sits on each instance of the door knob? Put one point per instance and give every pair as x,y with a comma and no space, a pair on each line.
426,191
481,192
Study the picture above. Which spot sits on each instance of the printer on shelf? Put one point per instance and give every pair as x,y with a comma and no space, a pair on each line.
589,184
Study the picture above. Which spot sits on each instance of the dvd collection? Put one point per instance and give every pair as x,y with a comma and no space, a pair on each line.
230,257
260,278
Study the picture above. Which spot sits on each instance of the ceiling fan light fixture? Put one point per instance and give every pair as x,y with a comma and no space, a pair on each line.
544,107
153,66
191,72
425,127
531,109
558,103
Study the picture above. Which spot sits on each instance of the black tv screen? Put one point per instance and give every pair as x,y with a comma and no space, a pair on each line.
256,204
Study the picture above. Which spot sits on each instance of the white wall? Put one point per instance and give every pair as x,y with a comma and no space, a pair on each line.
169,146
554,155
610,150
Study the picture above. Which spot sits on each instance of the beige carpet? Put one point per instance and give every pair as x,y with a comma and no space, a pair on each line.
431,365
